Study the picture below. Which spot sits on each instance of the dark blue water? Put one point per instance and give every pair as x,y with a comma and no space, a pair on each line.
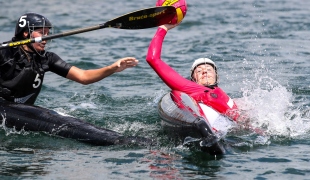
262,52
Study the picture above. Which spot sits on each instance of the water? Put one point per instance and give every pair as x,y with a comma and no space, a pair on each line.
262,52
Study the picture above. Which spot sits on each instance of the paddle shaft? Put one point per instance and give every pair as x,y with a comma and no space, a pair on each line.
141,19
54,36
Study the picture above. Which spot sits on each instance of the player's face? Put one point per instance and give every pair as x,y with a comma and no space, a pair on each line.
205,75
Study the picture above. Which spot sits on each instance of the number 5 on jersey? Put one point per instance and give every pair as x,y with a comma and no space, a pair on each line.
37,82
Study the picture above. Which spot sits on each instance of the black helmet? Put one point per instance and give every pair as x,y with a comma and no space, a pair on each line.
30,21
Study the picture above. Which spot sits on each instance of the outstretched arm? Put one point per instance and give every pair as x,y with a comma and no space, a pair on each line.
93,75
170,77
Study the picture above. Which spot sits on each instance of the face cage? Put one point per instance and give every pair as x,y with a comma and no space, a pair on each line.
33,28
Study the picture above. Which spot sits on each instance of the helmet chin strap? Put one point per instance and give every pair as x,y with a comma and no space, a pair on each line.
212,86
215,84
30,46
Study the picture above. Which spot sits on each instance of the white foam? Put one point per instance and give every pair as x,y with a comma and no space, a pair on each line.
269,107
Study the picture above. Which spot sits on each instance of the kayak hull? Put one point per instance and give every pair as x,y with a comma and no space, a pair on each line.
183,118
38,119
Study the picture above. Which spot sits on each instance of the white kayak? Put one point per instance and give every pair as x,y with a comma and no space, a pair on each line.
182,116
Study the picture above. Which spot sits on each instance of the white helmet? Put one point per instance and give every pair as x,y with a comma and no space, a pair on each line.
200,61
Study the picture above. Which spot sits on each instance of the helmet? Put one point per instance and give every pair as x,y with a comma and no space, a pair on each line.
200,61
30,21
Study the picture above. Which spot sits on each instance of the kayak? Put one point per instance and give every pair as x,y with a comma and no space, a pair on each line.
193,122
38,119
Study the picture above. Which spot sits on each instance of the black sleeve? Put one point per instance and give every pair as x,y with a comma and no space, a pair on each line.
57,65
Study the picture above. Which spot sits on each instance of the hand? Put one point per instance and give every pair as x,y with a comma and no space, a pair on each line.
124,63
167,27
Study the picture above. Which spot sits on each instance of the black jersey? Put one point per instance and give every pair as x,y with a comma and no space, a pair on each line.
22,73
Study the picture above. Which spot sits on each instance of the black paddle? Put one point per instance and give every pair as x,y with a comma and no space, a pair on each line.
141,19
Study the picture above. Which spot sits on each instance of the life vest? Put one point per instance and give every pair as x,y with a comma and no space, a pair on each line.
22,80
217,99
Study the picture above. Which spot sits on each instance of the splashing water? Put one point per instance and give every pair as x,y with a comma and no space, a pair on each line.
269,106
9,131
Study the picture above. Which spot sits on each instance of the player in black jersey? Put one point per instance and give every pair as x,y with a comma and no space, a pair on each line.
22,71
22,68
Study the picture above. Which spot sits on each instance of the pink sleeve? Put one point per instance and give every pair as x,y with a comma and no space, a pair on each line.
170,77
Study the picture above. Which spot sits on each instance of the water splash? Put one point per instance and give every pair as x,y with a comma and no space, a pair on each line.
9,131
269,106
135,129
157,96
